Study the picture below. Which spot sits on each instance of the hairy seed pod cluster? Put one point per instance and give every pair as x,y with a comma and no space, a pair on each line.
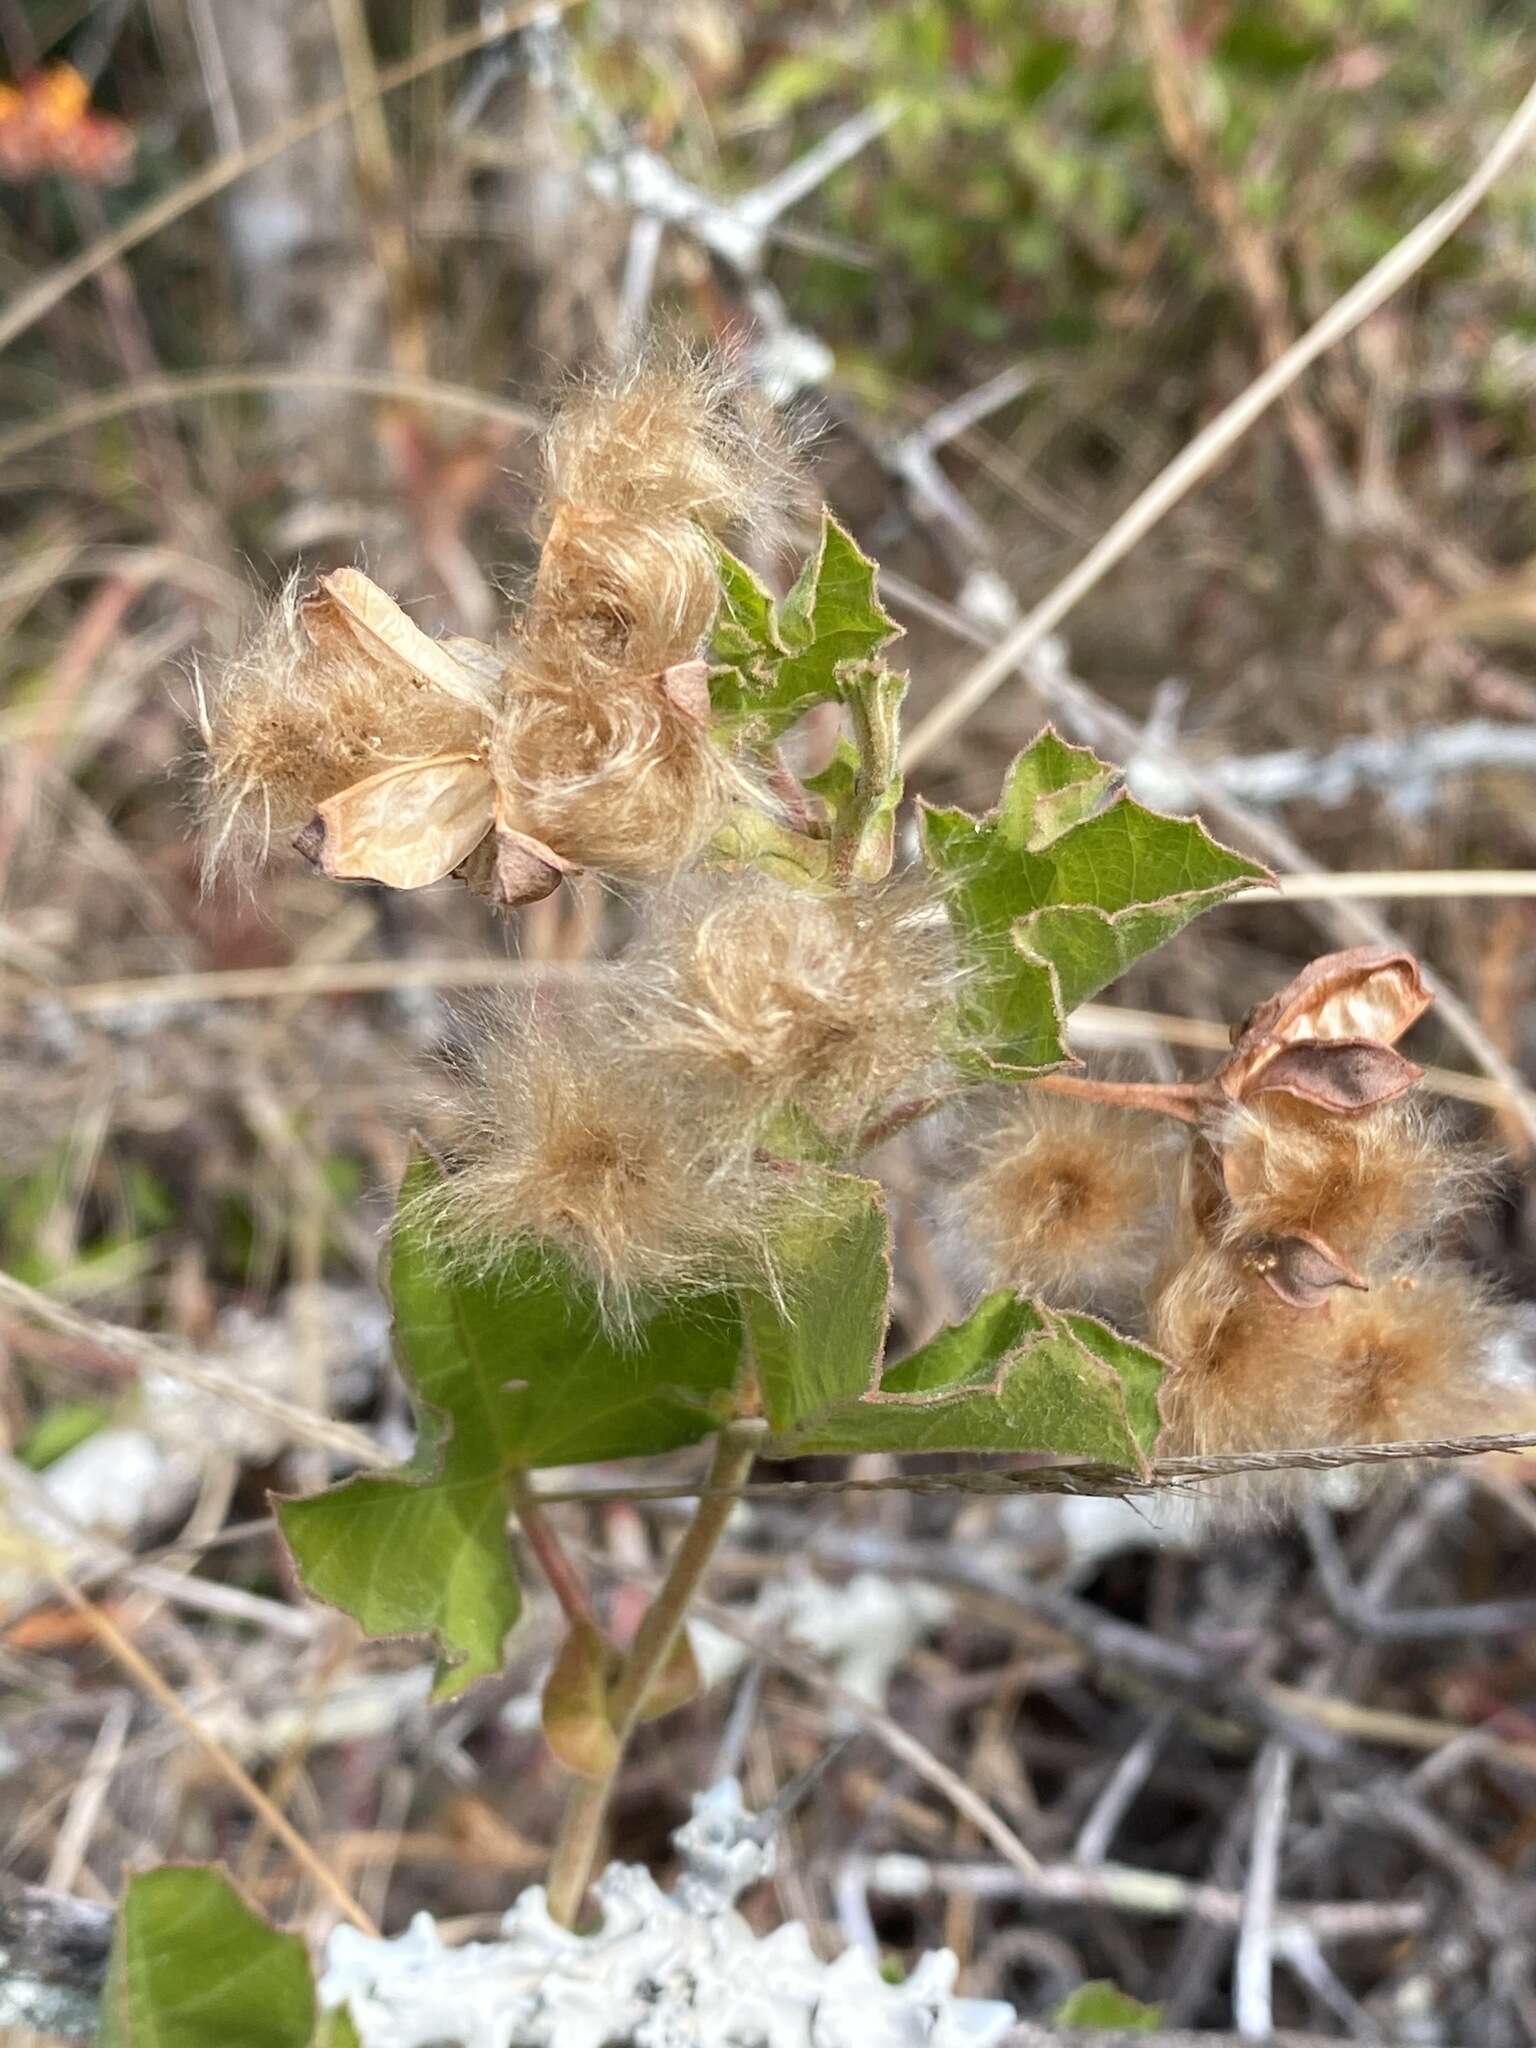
560,1139
1283,1257
1404,1361
1304,1304
779,997
603,749
397,758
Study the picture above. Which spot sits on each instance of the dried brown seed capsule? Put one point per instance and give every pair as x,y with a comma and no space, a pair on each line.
317,701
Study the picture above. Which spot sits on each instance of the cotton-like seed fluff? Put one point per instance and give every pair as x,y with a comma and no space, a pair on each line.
622,781
781,997
1405,1362
1365,1183
1069,1198
559,1141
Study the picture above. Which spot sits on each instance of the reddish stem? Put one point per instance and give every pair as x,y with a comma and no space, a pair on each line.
566,1582
1179,1099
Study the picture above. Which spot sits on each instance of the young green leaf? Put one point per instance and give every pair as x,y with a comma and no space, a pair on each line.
776,662
816,1342
864,825
1102,2004
1054,896
1014,1376
192,1964
507,1370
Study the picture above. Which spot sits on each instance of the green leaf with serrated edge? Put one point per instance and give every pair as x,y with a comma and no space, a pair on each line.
1050,912
1014,1376
817,1342
775,666
1050,787
1103,2004
192,1964
746,626
508,1370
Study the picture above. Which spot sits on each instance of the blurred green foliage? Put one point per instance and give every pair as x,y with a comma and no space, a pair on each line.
1027,194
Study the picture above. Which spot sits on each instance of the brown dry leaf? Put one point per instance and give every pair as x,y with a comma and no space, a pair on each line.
1303,1269
1367,993
406,826
575,1704
351,603
1346,1075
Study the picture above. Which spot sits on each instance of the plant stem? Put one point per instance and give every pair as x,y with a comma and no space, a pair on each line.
582,1823
1179,1099
565,1581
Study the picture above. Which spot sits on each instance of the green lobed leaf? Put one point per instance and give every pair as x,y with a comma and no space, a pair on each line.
507,1371
1102,2003
817,1344
191,1964
1054,896
777,661
1014,1376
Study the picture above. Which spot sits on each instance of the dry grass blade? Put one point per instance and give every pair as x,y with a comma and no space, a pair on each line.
28,307
144,1674
148,1354
187,388
1217,440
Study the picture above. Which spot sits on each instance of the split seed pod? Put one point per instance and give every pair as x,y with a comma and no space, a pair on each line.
342,721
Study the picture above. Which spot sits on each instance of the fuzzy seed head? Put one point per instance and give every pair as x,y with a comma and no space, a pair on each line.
288,724
1409,1360
1070,1199
1365,1183
1230,1384
673,436
779,997
560,1141
622,781
618,597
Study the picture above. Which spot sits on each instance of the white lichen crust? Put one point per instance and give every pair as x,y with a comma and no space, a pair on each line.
679,1971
